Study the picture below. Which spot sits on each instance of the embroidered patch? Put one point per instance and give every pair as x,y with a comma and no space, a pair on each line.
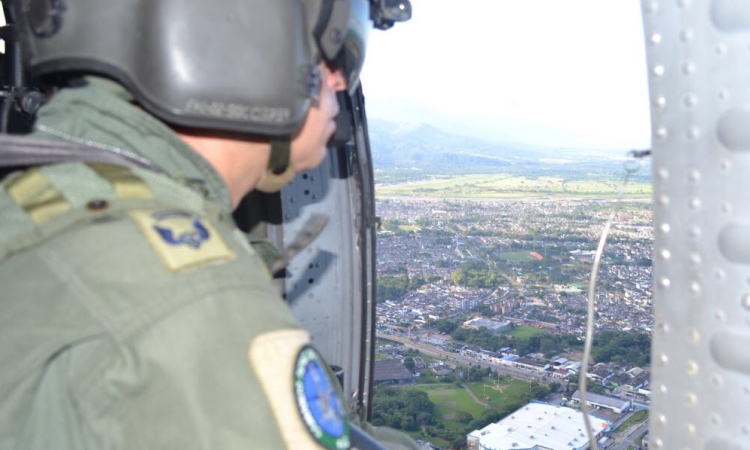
319,404
181,239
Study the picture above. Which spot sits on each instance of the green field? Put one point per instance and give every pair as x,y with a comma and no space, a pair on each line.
448,398
517,256
508,186
507,391
522,331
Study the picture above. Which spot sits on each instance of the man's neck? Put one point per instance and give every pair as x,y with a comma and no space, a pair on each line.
241,163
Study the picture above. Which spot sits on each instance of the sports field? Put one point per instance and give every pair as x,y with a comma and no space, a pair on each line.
507,391
449,398
522,331
518,256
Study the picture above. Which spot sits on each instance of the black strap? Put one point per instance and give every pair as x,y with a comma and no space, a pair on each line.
22,151
281,149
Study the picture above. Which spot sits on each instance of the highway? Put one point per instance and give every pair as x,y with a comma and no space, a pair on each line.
451,358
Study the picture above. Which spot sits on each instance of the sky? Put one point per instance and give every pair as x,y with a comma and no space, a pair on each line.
563,73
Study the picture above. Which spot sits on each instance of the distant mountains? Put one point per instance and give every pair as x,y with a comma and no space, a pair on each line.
429,150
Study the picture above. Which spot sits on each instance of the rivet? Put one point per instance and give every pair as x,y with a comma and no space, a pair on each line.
725,207
720,315
663,359
662,328
97,205
691,399
720,275
664,228
658,443
715,419
661,102
665,254
655,38
694,204
652,7
687,35
689,429
663,389
720,49
664,200
663,174
725,165
693,133
658,70
694,176
695,232
746,301
662,133
695,287
664,282
692,368
683,3
722,95
662,419
695,259
691,100
688,68
693,336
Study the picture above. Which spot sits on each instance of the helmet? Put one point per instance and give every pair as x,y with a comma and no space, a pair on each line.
238,66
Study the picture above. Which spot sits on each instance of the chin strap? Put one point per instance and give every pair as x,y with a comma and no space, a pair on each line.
279,171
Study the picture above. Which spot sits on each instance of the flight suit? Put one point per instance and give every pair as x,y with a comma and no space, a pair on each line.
133,313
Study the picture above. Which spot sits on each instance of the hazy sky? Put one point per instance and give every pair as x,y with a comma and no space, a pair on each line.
568,73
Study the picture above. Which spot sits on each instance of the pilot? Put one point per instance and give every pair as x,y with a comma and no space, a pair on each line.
133,313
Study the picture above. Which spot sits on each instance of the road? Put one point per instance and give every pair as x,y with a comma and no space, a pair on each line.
629,439
455,358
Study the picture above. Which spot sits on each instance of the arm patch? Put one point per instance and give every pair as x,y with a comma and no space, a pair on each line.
181,239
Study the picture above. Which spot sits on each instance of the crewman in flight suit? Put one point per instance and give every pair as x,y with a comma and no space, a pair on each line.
133,313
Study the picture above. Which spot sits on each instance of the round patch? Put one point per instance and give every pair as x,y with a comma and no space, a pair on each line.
319,404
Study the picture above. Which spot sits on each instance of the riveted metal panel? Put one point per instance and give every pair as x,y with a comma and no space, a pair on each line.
323,280
698,55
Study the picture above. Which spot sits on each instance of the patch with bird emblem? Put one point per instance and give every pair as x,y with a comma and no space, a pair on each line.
181,239
319,404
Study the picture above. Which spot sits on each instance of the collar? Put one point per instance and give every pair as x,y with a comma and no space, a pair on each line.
101,114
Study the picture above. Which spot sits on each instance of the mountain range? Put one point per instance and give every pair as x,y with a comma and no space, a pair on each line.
422,149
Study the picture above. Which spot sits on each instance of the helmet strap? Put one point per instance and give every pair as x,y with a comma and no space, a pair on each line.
279,171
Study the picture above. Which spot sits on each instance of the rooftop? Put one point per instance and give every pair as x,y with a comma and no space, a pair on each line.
390,370
538,424
602,400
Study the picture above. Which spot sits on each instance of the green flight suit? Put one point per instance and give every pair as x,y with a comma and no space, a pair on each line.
133,313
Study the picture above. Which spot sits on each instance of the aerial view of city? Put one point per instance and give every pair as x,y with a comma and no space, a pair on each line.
482,298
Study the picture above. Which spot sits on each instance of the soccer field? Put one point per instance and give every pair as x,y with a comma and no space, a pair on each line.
523,332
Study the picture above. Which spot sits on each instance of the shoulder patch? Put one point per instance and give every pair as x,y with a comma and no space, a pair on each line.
181,239
318,402
300,391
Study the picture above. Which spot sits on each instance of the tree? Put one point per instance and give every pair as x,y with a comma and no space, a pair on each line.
463,416
409,363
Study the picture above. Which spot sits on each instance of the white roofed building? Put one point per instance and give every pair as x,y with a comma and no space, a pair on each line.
537,426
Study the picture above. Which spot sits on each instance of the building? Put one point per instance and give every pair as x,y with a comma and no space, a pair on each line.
617,405
537,426
492,326
530,364
391,371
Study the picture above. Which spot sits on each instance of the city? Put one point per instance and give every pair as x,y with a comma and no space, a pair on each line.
455,272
